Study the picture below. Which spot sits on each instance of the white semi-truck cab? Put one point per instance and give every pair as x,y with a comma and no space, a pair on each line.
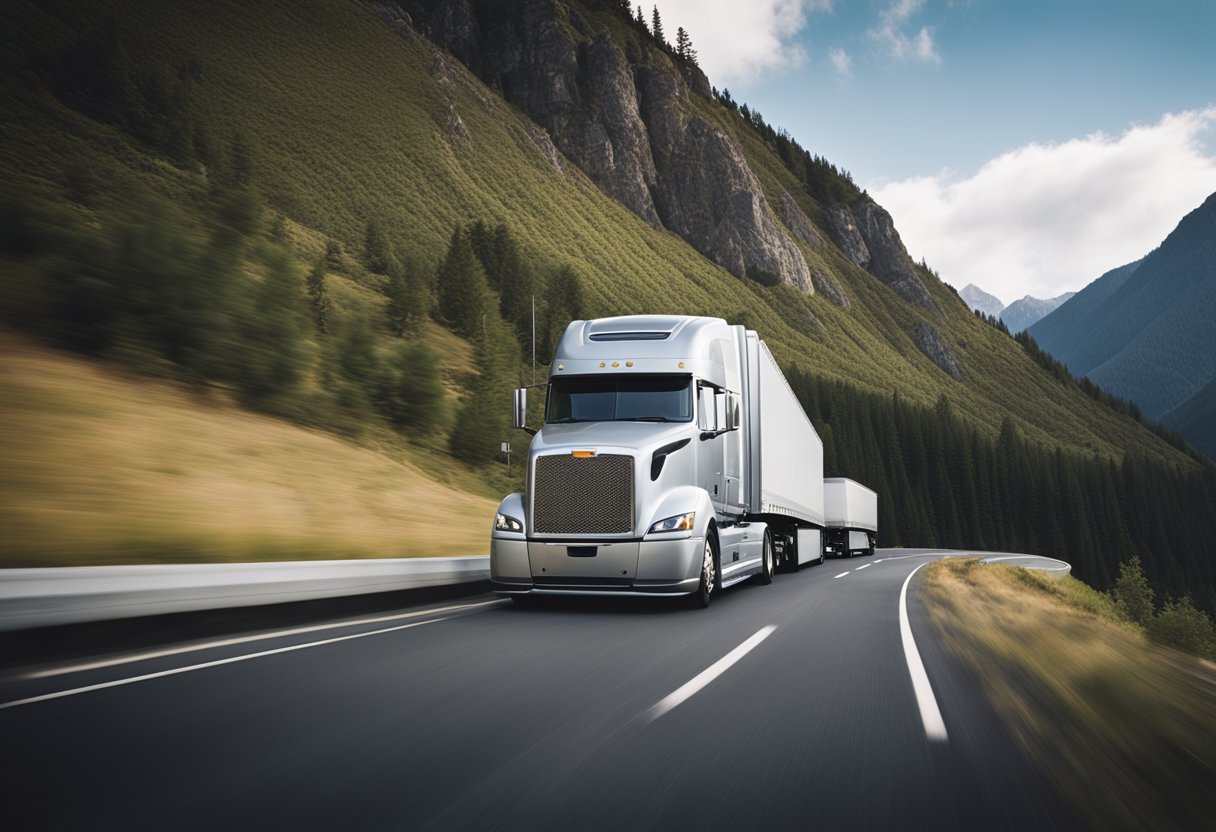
673,460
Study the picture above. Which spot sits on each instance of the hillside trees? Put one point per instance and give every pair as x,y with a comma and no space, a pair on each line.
411,395
565,303
464,293
484,419
942,483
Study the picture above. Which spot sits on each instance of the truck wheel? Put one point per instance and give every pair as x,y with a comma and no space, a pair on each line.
709,575
767,564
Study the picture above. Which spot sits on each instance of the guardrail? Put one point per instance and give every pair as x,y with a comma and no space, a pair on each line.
77,594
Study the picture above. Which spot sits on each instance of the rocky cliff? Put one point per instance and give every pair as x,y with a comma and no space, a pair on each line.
621,109
865,232
623,120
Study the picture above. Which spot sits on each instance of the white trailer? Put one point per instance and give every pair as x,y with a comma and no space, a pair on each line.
786,459
851,517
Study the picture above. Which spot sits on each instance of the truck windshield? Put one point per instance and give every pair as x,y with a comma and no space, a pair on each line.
617,399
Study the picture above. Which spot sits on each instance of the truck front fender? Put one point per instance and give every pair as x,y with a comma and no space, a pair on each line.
512,505
681,500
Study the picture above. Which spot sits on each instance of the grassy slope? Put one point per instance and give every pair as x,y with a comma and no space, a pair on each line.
347,119
1126,729
100,468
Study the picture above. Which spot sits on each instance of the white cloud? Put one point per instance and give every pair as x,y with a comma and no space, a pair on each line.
841,62
736,42
1048,218
892,35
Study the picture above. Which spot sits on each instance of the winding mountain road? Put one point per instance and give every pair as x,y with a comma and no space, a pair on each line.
796,705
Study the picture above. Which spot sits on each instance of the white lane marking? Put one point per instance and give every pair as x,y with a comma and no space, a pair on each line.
173,672
858,569
841,575
710,673
229,642
930,716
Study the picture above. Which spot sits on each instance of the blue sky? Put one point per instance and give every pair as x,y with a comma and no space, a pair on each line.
1101,115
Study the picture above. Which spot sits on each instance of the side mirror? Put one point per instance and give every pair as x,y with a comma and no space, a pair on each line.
733,411
707,410
521,408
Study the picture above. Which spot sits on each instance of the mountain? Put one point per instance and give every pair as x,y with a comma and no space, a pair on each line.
1195,419
1023,313
1144,331
981,301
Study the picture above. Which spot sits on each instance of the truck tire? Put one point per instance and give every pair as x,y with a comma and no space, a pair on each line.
709,574
767,563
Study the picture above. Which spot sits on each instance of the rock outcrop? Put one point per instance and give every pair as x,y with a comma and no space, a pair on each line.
866,234
931,344
625,122
827,286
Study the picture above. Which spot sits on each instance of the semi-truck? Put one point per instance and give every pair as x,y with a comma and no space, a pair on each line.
673,459
850,513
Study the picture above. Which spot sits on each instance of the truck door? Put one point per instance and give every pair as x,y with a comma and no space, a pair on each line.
711,449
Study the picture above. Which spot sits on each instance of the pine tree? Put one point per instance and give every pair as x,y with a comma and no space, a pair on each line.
464,294
376,254
641,17
684,48
565,304
1132,593
411,391
356,363
272,349
409,298
484,420
318,297
656,28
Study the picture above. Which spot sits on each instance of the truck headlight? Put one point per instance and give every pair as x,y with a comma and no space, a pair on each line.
679,523
503,523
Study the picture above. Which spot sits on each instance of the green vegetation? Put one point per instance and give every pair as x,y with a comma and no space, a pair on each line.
943,483
275,202
1127,730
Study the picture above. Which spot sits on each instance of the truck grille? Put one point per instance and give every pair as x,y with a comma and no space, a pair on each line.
583,496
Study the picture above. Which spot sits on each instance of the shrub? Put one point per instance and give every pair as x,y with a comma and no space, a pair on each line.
411,393
1181,626
1133,596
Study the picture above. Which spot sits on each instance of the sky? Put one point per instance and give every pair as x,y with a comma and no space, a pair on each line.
1026,146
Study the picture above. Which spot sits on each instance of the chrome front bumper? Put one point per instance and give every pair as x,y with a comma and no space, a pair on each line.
652,566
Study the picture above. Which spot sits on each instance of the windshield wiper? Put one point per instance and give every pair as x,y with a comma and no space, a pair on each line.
645,419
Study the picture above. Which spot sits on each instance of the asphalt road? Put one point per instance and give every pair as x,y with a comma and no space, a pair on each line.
790,706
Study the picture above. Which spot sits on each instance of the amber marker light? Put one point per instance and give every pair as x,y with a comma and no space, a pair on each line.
681,365
616,363
582,454
628,363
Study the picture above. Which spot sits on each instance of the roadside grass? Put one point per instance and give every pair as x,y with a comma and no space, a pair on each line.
1125,728
102,468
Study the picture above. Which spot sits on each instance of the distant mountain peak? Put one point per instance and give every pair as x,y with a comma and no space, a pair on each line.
981,301
1030,310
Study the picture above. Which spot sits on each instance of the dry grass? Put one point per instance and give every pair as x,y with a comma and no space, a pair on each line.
1127,730
100,468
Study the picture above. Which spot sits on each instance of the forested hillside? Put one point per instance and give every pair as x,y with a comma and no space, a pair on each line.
311,207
